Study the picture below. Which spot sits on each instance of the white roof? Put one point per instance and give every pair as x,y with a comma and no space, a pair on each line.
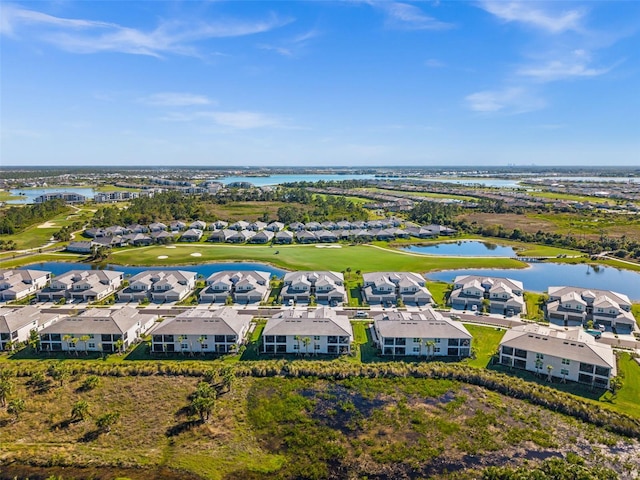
322,321
425,324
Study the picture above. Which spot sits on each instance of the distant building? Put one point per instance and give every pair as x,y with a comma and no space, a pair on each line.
16,324
120,196
327,287
82,285
68,197
506,296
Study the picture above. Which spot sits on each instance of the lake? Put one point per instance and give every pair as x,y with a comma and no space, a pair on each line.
539,276
467,248
288,178
29,195
59,268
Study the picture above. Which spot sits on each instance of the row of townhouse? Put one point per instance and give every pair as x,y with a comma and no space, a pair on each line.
568,353
387,288
505,296
255,232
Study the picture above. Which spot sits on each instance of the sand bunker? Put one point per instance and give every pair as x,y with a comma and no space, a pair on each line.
196,254
48,224
171,246
328,246
162,257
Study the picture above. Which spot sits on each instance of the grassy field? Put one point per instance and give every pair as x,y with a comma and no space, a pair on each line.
626,400
38,235
486,341
6,196
564,223
569,197
439,291
534,310
421,194
7,260
249,211
306,257
635,309
283,428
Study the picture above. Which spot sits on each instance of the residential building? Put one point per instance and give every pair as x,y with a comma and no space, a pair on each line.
425,333
119,196
243,287
572,306
388,287
263,236
159,286
283,236
221,236
191,235
569,354
327,287
505,296
202,331
16,324
18,284
68,197
81,246
97,330
82,285
319,331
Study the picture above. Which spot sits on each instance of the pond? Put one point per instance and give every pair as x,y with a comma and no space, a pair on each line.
29,195
539,276
59,268
467,248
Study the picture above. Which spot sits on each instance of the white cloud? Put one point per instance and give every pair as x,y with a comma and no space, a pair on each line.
512,100
291,47
408,17
434,63
530,13
89,36
174,99
242,120
574,65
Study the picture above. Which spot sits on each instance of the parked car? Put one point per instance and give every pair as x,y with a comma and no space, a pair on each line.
360,314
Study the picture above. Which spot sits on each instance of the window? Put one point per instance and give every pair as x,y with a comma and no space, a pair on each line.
296,347
184,346
564,371
585,367
416,349
539,356
437,340
520,353
453,342
602,371
316,347
316,337
507,350
91,345
566,361
205,346
268,338
436,350
417,340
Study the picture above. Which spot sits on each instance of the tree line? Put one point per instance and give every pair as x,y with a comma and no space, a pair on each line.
15,219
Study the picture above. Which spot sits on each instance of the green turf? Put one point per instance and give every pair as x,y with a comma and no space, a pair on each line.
485,341
627,399
534,306
306,257
439,291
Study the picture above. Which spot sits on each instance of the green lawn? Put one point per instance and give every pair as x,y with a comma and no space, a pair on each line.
6,196
7,260
627,399
635,309
534,310
568,196
439,291
305,257
486,341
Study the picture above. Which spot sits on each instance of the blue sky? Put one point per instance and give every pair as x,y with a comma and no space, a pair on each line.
353,83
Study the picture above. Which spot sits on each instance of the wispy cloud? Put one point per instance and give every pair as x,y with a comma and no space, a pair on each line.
434,63
576,65
291,47
532,14
90,36
511,100
240,119
405,16
174,99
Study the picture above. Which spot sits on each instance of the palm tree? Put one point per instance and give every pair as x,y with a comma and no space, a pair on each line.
615,384
74,342
202,406
58,373
67,338
306,341
34,340
538,367
119,344
201,341
85,341
297,338
79,411
106,421
549,370
181,339
431,345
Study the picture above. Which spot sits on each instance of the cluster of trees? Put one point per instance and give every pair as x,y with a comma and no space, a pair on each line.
64,234
426,213
16,219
